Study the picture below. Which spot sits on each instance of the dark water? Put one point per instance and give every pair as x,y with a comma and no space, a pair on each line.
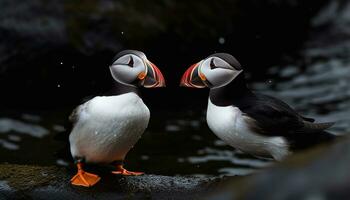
180,144
179,141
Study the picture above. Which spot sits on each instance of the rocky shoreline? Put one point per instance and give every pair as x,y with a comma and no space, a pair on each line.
321,172
41,182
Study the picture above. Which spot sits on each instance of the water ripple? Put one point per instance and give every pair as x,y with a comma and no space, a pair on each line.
7,125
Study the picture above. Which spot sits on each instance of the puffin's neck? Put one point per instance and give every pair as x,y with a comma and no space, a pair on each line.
119,89
231,93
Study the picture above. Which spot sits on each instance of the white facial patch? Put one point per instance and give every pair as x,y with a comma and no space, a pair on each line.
218,72
126,69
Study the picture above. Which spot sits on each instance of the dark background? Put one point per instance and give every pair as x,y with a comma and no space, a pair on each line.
55,53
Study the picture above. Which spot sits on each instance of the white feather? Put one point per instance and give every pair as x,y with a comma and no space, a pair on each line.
108,127
229,124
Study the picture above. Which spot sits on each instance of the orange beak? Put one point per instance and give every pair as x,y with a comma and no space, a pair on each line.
193,77
153,77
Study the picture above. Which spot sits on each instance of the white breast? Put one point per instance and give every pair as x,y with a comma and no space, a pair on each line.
230,125
108,127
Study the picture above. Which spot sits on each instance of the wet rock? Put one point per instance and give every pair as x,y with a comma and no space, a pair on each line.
330,31
109,25
320,173
39,182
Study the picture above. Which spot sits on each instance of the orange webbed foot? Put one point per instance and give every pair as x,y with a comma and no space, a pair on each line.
120,170
83,178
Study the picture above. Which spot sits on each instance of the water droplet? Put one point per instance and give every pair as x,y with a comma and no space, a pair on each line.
221,40
122,32
58,85
61,63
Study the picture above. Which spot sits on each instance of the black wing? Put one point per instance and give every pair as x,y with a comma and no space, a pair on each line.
274,117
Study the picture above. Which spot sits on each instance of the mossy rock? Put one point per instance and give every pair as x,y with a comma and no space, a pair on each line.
40,182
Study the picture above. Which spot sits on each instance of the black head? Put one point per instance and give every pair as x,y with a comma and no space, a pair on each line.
215,71
132,68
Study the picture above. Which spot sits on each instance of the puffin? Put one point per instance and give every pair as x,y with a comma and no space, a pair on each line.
105,128
253,123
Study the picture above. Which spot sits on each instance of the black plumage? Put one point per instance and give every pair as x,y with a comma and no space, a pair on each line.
269,116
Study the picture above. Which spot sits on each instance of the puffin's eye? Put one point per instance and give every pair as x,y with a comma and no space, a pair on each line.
212,65
131,62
